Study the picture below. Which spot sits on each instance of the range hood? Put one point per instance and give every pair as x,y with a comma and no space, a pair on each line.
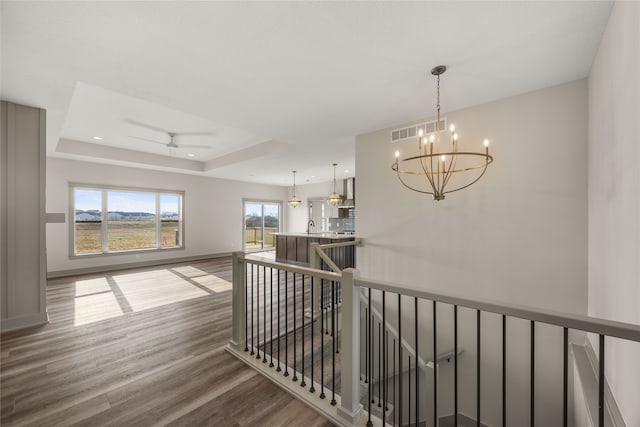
349,194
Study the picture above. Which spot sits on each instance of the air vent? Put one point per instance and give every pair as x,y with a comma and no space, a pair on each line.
412,131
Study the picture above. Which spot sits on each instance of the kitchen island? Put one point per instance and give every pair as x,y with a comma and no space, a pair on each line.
293,248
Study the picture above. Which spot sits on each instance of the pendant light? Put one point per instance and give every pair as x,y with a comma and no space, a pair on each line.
334,198
294,202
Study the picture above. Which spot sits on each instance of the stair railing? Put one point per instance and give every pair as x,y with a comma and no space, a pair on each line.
272,339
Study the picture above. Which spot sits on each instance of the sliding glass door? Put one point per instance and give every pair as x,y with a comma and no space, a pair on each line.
261,220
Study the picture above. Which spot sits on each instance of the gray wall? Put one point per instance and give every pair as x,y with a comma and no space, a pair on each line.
519,235
614,197
23,216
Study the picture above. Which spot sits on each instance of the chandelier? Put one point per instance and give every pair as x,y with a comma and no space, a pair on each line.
294,202
334,198
438,167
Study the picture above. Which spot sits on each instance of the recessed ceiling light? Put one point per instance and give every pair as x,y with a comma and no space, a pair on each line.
313,176
346,171
99,138
191,155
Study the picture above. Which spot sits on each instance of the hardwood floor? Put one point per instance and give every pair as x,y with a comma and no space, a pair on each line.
139,347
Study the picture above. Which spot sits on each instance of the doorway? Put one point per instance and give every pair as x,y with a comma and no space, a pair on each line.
261,220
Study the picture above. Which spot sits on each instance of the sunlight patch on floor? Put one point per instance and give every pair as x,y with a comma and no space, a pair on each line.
189,271
92,286
95,307
213,283
155,288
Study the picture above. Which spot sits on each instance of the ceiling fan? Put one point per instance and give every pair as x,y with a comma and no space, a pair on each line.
172,144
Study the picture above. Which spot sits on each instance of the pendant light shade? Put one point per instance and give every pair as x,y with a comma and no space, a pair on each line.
334,198
294,202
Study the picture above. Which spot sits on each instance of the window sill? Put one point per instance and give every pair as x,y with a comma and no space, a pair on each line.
127,252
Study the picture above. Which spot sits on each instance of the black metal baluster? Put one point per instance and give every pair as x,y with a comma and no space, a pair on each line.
504,371
385,373
258,310
295,333
286,323
327,295
384,358
336,335
313,320
455,365
435,368
415,311
400,358
409,390
302,382
372,360
395,403
322,395
366,345
379,367
333,343
369,423
271,315
478,369
278,369
533,372
264,314
246,308
601,383
565,374
252,310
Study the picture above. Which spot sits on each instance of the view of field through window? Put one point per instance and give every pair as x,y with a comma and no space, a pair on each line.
131,221
261,221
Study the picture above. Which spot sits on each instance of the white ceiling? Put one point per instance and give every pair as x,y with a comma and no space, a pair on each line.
278,85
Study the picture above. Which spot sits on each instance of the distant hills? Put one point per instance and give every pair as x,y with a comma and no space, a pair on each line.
95,215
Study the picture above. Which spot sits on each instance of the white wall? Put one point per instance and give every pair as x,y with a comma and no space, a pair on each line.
614,197
518,235
212,216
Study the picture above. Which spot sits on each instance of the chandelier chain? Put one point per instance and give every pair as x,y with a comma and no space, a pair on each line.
438,106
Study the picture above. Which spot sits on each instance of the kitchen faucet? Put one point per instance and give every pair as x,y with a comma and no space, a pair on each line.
310,224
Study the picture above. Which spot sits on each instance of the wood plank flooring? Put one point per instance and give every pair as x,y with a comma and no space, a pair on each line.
135,348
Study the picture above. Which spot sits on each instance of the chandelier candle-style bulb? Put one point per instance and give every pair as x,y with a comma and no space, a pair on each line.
441,168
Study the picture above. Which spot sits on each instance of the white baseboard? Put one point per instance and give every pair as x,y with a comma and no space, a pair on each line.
25,321
124,266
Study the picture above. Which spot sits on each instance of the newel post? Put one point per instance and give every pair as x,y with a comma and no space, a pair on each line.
315,263
238,301
350,408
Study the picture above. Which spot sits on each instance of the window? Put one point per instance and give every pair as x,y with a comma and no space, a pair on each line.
261,220
118,219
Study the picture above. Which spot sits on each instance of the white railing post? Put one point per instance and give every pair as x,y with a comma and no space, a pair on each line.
238,301
314,262
350,408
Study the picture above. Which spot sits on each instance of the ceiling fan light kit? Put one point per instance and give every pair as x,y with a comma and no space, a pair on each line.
438,159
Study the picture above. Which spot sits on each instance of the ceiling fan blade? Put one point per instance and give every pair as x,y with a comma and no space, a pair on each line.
148,140
146,126
201,147
194,133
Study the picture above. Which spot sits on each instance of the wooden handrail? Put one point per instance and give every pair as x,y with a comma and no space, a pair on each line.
589,324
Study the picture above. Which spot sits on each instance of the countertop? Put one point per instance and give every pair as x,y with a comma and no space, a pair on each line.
311,235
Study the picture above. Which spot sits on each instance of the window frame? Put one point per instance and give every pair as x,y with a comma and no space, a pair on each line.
244,223
104,189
